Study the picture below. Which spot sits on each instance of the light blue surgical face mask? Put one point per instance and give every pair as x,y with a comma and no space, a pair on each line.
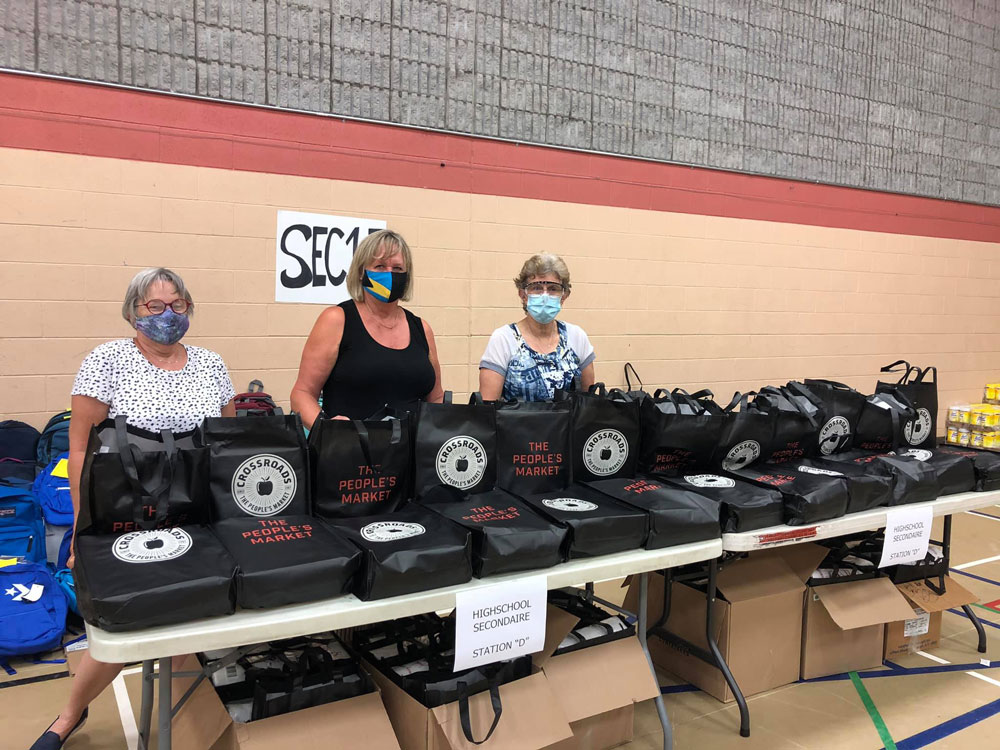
544,307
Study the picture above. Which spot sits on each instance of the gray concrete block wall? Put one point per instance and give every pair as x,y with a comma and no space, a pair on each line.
899,95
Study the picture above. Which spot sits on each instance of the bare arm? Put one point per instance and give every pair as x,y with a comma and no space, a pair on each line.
229,410
86,412
319,355
490,384
437,392
587,377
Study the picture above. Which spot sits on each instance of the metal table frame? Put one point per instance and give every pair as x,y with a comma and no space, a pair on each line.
256,626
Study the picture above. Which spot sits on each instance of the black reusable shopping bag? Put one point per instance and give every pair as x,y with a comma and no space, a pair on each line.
141,579
747,435
839,409
407,551
866,489
796,424
912,480
598,525
742,506
920,388
679,431
287,560
360,467
605,434
533,446
954,473
676,516
507,535
882,422
456,446
808,497
596,625
985,464
634,393
133,479
259,466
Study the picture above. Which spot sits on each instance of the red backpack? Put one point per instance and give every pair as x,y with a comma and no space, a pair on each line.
255,403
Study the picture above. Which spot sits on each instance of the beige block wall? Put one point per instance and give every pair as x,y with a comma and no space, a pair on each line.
694,301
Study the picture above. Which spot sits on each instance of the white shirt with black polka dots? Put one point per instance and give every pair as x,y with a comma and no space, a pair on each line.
117,374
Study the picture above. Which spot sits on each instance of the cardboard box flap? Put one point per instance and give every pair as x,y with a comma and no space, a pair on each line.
344,725
803,559
531,718
861,603
954,595
602,678
756,577
202,720
558,624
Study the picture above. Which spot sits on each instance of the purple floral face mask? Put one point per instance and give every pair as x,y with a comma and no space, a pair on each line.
166,328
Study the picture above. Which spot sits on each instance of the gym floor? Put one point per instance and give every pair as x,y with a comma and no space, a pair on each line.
946,698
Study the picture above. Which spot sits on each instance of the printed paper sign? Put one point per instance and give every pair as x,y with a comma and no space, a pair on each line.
499,622
919,625
907,535
312,254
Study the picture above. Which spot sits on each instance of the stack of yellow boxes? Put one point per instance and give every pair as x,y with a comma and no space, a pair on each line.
977,425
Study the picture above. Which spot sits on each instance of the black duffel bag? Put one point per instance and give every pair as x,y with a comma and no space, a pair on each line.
838,407
287,560
742,506
598,525
920,390
456,446
360,467
882,423
259,466
507,535
533,446
407,551
808,497
679,431
866,489
605,434
747,434
985,464
133,479
676,516
143,579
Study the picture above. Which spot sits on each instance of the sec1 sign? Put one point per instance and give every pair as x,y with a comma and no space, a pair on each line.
312,255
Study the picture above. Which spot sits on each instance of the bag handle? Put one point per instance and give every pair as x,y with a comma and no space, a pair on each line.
894,368
363,438
258,389
127,459
628,381
835,385
740,399
447,398
598,389
662,394
921,374
463,711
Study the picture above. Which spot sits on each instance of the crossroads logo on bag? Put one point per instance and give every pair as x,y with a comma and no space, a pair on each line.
917,453
709,480
264,485
570,504
461,462
741,454
833,435
821,472
918,430
151,546
605,452
391,531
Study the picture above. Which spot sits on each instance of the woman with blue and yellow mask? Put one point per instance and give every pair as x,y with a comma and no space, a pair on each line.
369,352
532,358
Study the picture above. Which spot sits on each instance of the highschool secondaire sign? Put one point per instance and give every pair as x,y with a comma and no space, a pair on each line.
500,622
312,255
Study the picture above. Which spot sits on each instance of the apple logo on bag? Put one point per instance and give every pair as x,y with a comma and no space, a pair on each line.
461,462
264,485
821,472
151,546
834,435
917,453
605,452
918,430
570,504
709,480
741,455
391,531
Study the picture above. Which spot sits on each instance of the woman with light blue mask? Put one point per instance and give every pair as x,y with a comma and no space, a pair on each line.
530,359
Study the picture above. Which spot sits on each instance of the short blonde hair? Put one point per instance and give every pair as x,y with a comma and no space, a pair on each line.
539,265
378,244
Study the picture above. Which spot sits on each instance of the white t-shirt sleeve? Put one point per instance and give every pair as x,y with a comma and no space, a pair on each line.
226,389
96,376
580,343
499,350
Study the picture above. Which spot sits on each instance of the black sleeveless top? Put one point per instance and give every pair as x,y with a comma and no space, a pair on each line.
368,376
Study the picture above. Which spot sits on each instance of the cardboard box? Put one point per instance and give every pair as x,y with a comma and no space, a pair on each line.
74,650
203,723
596,687
757,625
923,632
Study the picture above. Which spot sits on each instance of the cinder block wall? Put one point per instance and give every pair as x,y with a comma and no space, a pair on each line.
897,95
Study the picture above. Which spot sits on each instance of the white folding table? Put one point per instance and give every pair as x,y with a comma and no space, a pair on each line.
255,626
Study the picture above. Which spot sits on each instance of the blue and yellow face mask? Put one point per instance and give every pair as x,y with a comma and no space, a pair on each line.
386,286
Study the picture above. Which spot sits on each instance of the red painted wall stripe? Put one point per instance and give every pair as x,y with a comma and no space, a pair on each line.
95,120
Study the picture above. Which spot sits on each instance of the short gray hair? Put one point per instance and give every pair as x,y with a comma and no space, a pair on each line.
539,265
139,286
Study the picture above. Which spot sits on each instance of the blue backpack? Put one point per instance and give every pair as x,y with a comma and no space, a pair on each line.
22,532
30,627
54,439
52,493
18,440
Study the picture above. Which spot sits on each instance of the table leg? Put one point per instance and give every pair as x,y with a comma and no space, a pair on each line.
969,612
166,702
720,662
146,706
661,709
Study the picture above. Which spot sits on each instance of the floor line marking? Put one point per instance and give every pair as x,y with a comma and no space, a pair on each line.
125,712
977,577
938,659
949,727
873,714
974,563
984,678
982,515
133,670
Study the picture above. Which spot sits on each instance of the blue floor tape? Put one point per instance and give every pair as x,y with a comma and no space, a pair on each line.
973,575
669,689
987,515
987,623
906,671
946,728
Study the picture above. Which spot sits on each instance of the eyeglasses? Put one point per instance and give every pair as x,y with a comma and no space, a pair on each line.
157,306
544,287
